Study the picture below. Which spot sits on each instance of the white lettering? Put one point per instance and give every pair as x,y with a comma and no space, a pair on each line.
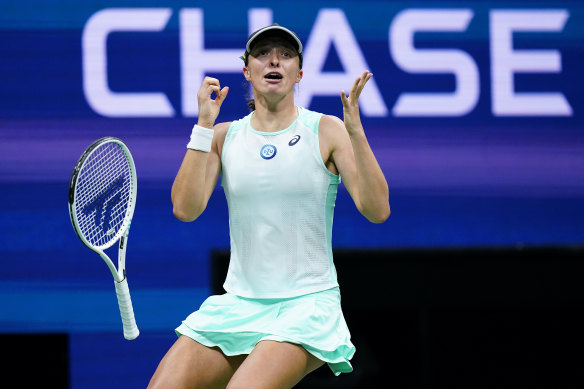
196,60
94,57
505,62
259,18
408,58
332,28
331,31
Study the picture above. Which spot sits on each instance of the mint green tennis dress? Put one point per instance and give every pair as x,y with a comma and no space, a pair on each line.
281,283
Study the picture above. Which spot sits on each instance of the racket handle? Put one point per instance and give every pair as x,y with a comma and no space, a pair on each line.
128,320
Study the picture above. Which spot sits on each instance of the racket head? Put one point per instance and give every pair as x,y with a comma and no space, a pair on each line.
102,193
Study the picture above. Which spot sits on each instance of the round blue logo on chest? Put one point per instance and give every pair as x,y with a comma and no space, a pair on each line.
268,151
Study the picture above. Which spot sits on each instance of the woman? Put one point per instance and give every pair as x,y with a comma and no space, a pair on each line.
281,316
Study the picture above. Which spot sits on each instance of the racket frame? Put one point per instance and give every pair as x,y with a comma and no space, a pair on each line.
119,274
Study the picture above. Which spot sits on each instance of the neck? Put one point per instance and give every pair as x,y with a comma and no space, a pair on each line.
273,116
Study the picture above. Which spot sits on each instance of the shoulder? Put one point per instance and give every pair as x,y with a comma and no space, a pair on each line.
332,131
222,127
221,130
330,123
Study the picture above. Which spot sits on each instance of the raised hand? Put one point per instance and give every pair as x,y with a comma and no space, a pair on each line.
208,107
351,115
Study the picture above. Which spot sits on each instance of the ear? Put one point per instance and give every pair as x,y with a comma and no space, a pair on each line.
299,76
246,73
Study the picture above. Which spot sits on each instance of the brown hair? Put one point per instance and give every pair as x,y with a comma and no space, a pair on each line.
251,104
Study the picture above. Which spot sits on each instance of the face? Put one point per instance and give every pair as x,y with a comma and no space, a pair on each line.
273,66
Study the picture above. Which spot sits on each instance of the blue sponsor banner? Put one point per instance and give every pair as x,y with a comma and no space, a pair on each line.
472,61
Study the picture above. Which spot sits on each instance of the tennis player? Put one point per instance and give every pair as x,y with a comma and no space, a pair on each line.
280,166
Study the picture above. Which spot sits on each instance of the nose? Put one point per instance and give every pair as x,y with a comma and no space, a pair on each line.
274,58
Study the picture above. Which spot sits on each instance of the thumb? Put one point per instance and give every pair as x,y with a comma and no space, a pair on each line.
222,94
344,98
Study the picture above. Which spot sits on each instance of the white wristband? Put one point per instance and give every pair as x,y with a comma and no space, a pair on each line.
201,139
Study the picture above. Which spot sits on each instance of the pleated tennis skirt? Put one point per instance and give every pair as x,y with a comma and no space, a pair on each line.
236,324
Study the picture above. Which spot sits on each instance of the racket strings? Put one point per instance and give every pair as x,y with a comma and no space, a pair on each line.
103,191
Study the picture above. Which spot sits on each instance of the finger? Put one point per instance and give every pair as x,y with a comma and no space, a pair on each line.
222,95
355,89
210,81
206,91
210,90
344,98
208,85
365,77
360,84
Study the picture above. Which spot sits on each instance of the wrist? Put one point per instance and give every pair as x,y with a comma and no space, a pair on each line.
356,131
201,139
205,124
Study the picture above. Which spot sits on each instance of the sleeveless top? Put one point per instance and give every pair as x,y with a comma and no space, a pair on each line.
281,199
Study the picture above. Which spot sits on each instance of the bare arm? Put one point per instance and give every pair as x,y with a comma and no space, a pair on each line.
199,171
354,159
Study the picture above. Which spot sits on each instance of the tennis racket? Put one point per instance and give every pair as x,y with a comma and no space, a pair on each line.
102,197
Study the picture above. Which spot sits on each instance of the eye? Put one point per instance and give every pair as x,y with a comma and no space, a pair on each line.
259,52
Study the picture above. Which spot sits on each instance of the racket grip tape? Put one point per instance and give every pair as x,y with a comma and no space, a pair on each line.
128,320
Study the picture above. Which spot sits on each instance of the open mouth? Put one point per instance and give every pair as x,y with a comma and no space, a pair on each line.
273,76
